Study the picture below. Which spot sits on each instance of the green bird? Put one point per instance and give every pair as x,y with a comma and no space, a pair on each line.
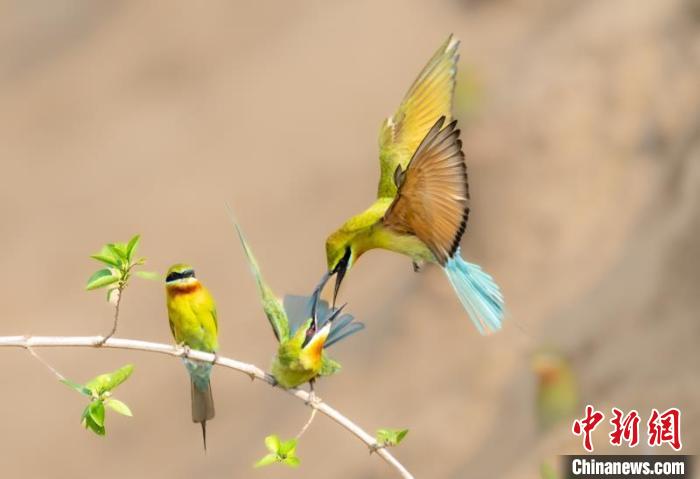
557,390
422,208
192,317
304,327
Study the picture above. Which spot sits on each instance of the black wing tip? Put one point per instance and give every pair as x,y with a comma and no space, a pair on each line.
460,232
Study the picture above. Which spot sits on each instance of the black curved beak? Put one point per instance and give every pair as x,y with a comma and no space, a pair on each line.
316,295
340,270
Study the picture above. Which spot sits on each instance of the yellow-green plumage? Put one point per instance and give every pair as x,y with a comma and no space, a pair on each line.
300,356
192,318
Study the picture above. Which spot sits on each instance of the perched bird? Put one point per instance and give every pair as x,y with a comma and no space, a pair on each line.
557,391
192,316
421,208
304,327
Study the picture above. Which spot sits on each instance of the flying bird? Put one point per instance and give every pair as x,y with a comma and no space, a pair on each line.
192,317
422,201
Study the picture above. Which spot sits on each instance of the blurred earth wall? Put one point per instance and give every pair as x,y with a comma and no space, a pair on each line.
581,126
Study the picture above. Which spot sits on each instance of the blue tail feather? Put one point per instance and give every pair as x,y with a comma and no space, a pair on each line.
200,373
477,292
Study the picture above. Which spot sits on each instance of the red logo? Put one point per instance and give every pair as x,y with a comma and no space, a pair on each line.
662,428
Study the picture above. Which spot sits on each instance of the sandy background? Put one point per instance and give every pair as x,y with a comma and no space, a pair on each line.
581,123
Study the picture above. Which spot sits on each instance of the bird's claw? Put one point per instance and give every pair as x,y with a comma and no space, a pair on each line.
375,447
185,350
417,267
216,358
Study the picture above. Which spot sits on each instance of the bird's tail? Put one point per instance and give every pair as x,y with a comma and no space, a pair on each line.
202,399
202,408
477,292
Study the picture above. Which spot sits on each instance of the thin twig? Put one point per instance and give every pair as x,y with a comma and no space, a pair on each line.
254,372
36,355
308,423
120,291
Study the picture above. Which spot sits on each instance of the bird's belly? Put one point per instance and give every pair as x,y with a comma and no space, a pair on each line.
406,244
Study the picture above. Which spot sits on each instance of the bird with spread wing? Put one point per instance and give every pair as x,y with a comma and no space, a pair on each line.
422,201
304,327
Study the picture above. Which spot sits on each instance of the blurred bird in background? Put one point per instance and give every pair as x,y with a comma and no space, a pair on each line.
304,327
557,391
192,317
421,208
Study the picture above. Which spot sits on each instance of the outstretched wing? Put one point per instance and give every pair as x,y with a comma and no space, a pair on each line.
271,305
429,98
432,199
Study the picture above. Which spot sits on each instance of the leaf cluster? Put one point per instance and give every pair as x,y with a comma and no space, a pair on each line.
282,452
119,260
99,390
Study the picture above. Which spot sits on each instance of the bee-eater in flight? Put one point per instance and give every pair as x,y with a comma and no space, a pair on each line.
304,327
422,207
192,316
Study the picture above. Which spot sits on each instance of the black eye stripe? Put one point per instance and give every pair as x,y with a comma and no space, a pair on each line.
175,275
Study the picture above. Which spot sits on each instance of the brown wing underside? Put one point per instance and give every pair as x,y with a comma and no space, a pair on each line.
432,199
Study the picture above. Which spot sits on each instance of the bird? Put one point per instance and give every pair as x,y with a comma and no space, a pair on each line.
557,394
304,326
193,323
422,203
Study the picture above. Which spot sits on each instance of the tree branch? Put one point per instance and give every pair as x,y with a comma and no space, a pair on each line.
254,372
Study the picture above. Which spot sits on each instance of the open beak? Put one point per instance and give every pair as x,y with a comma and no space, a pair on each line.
339,271
317,293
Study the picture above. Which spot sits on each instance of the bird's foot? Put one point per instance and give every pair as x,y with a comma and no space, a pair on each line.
312,399
185,350
216,358
273,381
417,267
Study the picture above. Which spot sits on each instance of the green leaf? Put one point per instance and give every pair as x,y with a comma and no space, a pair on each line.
96,412
390,437
100,279
272,443
107,258
119,251
131,247
119,407
77,387
106,382
292,461
89,423
287,448
266,460
150,275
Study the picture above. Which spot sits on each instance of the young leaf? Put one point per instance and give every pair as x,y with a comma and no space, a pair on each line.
267,460
100,279
291,461
106,382
118,407
106,257
131,247
288,448
390,437
89,423
119,251
77,387
96,412
150,275
272,443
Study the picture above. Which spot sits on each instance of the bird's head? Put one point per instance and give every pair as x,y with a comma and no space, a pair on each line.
180,276
341,252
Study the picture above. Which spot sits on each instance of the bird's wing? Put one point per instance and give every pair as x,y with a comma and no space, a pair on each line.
271,305
429,98
343,327
432,199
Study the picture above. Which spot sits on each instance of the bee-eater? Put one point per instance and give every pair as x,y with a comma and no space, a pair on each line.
422,207
192,316
304,327
557,389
